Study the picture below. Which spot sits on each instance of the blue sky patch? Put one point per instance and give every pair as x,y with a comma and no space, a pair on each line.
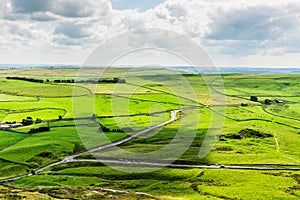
135,4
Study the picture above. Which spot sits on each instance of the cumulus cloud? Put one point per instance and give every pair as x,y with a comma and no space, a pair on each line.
235,27
17,39
12,29
21,6
254,30
72,30
69,8
60,8
43,16
252,23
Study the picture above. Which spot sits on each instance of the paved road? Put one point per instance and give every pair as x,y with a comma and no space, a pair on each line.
173,118
105,146
154,164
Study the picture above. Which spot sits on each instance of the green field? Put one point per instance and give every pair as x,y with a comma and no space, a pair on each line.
254,135
169,183
27,89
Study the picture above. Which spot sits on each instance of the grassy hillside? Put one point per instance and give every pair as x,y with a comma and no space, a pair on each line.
253,134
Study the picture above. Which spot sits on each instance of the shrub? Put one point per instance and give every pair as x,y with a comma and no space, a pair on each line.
246,133
250,133
28,121
103,129
26,79
39,130
254,98
38,120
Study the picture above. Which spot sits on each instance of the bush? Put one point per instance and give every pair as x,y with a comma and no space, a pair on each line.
94,116
39,130
127,129
254,98
26,79
234,136
28,121
78,148
268,101
103,129
38,120
224,149
93,81
247,133
14,122
250,133
117,130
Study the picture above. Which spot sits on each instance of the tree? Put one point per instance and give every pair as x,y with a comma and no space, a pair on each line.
38,120
103,128
39,130
268,101
94,116
60,117
254,98
27,121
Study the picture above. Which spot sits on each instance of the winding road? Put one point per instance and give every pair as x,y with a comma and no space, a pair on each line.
71,159
142,132
105,146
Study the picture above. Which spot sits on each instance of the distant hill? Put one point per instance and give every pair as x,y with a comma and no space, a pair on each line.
189,69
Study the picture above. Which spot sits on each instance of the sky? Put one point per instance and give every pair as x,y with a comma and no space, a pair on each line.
233,33
141,5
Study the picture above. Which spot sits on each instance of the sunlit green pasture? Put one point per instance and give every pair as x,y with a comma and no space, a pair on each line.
174,183
8,169
45,114
14,98
261,85
285,110
135,122
23,88
9,138
148,92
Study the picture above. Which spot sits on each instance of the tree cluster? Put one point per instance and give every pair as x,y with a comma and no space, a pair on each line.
39,130
100,81
28,121
115,80
254,98
91,81
14,122
246,133
64,81
105,129
26,79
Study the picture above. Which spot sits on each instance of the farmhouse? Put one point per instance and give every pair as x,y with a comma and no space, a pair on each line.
278,101
4,126
8,126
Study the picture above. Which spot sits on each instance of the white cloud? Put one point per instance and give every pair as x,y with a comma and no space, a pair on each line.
43,16
235,28
65,8
72,30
